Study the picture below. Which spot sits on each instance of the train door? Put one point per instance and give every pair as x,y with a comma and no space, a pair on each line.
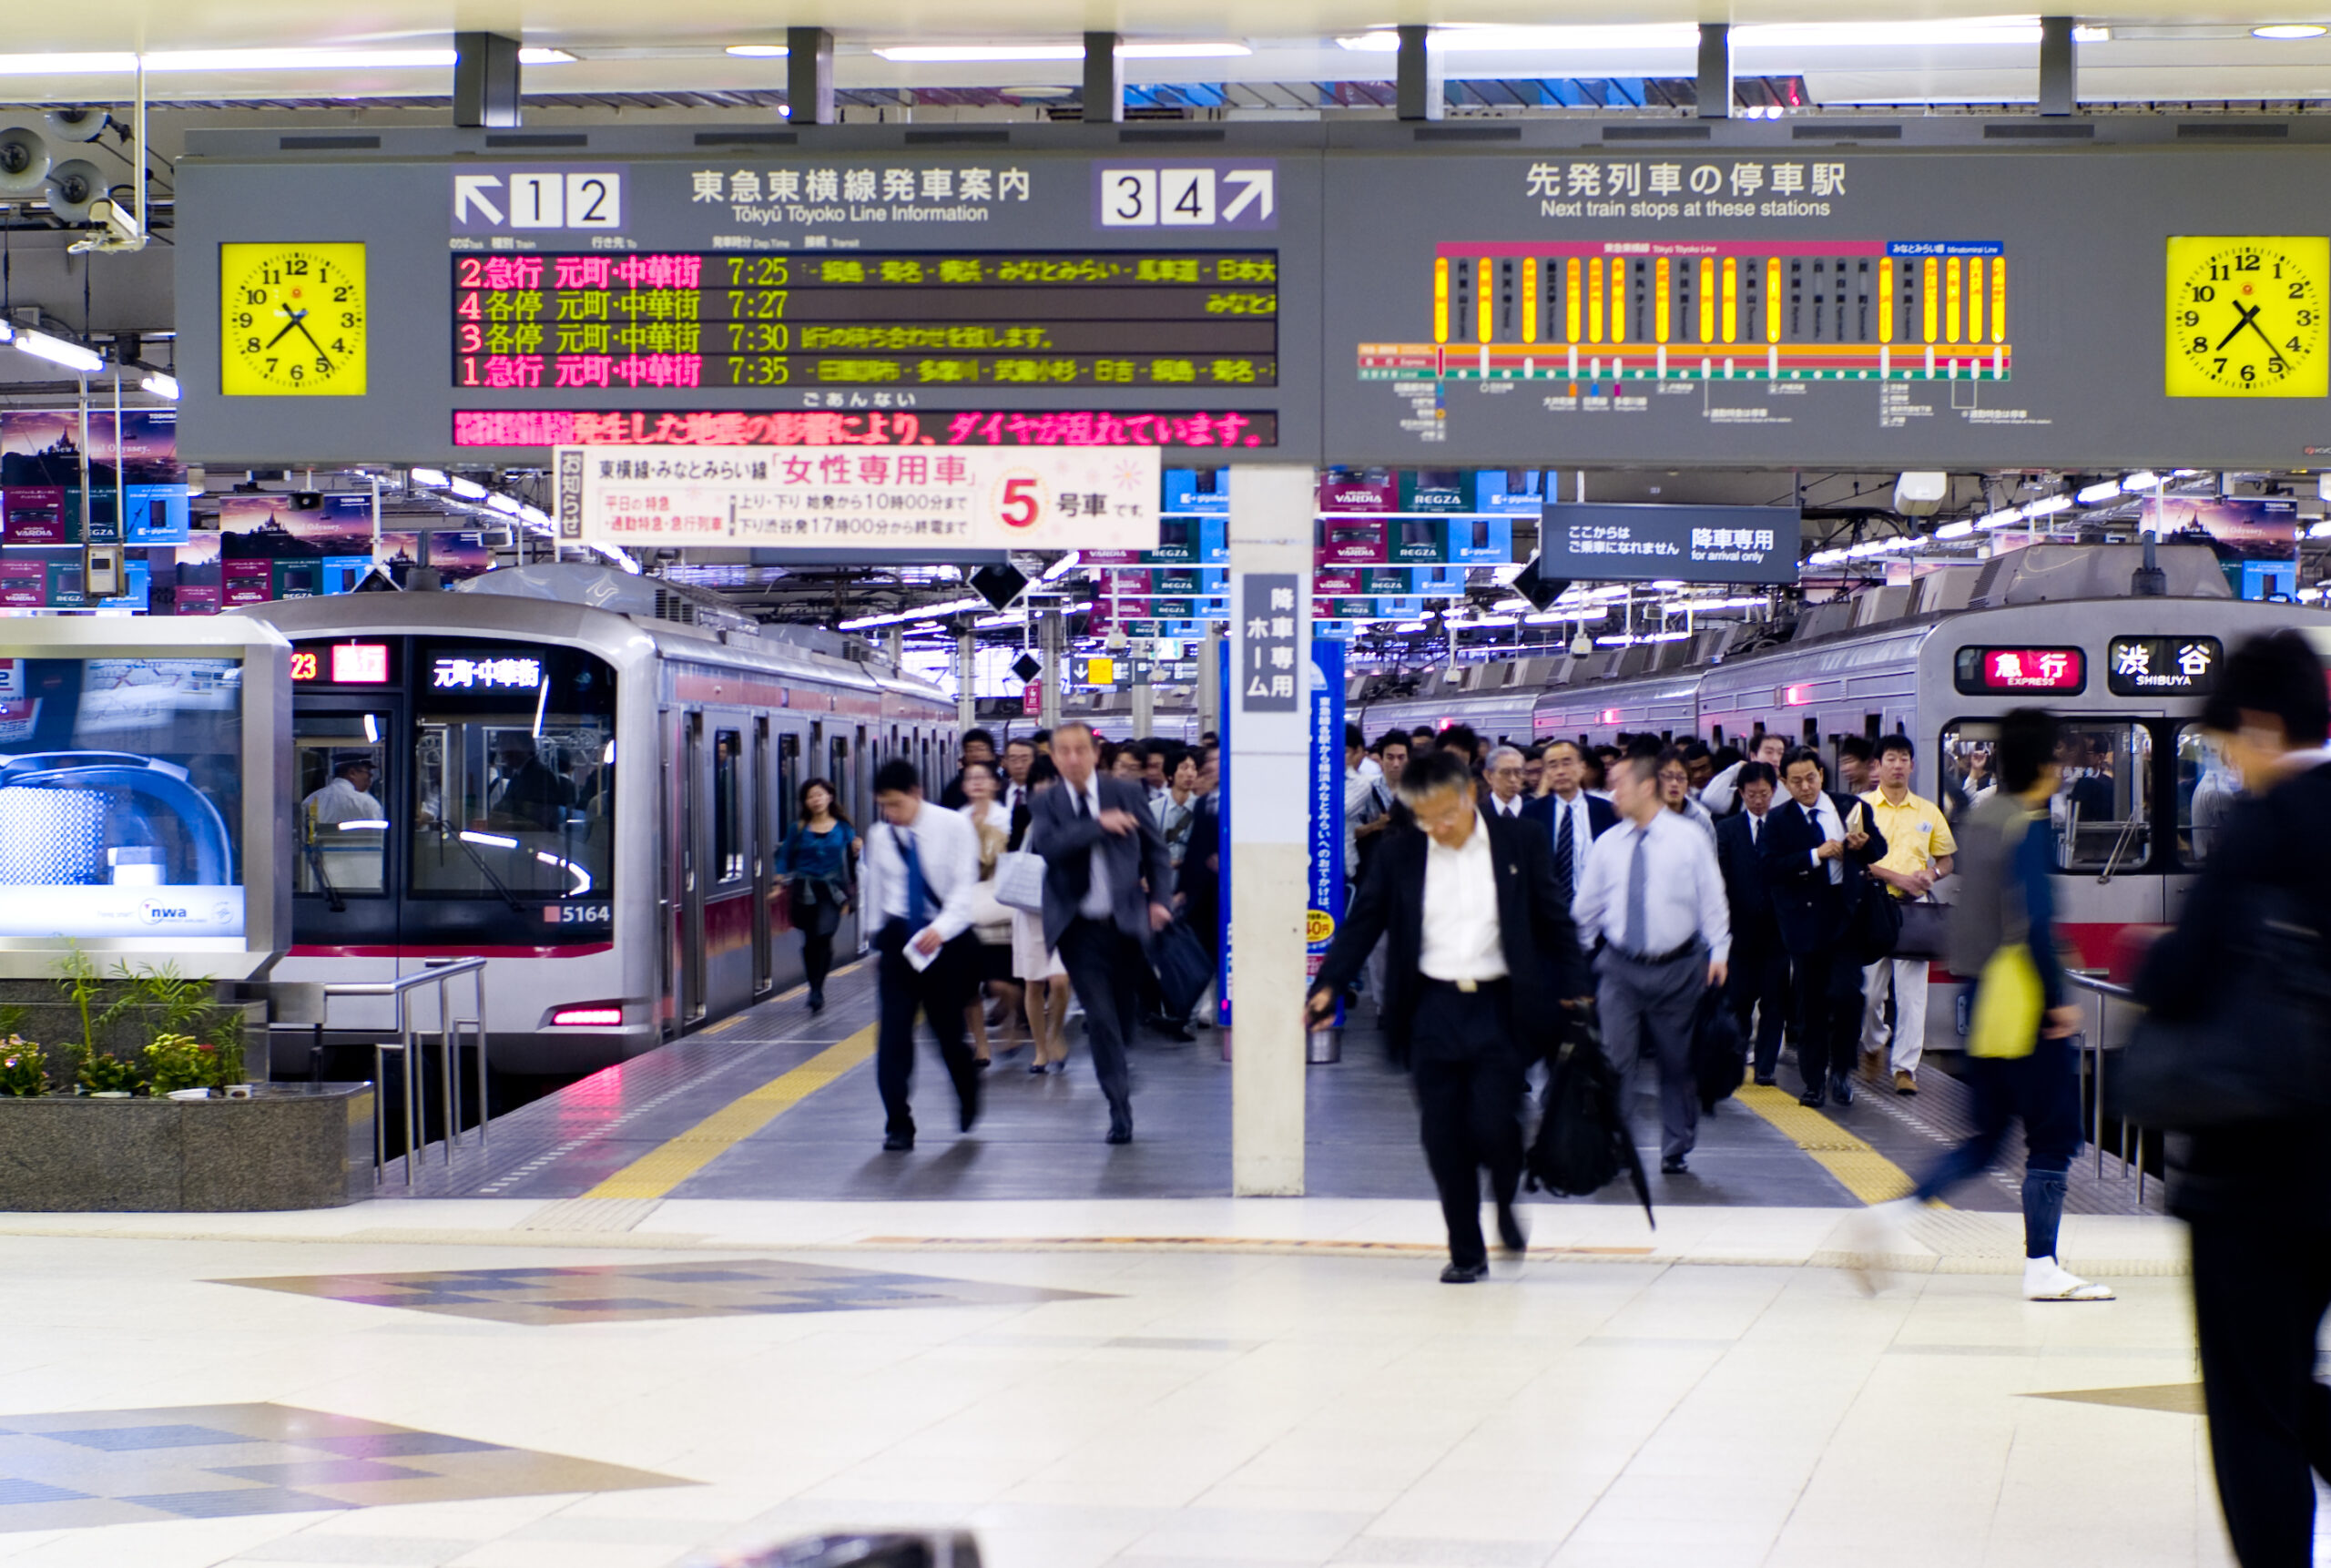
723,866
689,826
763,853
352,782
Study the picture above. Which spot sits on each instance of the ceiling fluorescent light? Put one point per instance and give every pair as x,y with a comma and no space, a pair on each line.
1182,51
2049,507
544,57
971,54
2090,495
1513,40
758,51
505,504
2136,481
434,478
2280,32
161,383
58,351
300,59
2009,31
1954,530
67,65
468,489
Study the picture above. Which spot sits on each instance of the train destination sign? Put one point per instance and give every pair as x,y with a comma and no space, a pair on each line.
890,319
904,499
2061,670
2140,666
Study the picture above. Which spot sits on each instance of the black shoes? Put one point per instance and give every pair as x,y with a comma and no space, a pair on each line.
1121,1125
1841,1088
1673,1165
899,1144
1464,1273
968,1107
1765,1080
817,1003
1812,1098
1176,1032
1509,1232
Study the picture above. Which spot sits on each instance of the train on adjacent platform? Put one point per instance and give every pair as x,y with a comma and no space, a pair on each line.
586,777
2054,626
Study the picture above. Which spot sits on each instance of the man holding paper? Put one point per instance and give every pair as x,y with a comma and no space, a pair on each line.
923,869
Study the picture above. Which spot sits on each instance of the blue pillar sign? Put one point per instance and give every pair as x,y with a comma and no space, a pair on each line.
1325,906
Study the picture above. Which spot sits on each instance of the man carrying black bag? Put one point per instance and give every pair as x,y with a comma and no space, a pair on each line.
1481,954
2257,1193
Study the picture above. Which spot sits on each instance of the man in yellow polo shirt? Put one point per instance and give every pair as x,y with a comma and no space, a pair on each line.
1919,847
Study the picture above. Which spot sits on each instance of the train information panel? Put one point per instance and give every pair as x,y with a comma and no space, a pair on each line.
861,319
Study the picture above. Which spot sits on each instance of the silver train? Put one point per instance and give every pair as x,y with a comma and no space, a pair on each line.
1939,660
586,777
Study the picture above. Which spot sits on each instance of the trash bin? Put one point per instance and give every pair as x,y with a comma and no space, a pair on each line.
1323,1045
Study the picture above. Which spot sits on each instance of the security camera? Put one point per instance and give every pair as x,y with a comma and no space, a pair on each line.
122,230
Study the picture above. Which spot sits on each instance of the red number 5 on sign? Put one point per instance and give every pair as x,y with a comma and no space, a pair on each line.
1019,500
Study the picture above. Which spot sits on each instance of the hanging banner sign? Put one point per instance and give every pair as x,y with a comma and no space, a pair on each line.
880,498
1618,543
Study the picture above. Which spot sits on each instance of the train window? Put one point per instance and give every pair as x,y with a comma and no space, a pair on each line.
727,806
2207,790
513,775
2103,810
788,783
343,827
1966,764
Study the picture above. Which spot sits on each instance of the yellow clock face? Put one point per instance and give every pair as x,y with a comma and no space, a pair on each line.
2247,316
291,320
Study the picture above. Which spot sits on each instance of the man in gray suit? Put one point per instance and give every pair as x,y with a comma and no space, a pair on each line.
1100,847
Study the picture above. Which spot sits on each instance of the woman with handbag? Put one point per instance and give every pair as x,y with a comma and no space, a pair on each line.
2233,1056
990,920
819,868
1036,966
2019,1039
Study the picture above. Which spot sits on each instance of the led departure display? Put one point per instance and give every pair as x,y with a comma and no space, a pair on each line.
1017,320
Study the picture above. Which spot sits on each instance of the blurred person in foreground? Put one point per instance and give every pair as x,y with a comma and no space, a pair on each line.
2018,1038
1481,954
2258,1194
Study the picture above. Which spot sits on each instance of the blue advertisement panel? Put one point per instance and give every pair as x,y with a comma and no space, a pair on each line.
1326,885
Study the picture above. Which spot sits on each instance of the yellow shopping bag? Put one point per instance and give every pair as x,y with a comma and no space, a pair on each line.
2008,1001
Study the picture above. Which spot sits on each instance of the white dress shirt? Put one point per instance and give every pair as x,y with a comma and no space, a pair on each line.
1683,891
1461,939
1582,826
1506,807
948,848
1824,812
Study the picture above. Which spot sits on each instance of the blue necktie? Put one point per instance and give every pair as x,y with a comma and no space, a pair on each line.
918,888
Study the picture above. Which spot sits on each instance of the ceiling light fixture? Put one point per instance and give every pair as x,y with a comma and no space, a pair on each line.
2136,481
59,351
185,60
758,51
1973,32
2089,495
434,478
468,489
973,54
162,385
1497,39
2288,32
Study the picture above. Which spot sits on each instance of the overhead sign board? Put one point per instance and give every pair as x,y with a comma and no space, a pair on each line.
2141,666
906,500
1687,543
2061,670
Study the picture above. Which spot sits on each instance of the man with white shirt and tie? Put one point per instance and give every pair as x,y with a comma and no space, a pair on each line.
1481,956
1652,895
1573,818
922,872
1504,776
1815,848
1759,983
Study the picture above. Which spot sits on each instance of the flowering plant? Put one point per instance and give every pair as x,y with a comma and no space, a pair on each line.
102,1073
175,1062
24,1069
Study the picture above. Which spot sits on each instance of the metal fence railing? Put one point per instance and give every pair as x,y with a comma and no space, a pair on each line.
2109,1005
409,1032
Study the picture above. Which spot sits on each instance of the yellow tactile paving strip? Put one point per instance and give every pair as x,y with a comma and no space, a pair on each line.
1860,1169
666,1167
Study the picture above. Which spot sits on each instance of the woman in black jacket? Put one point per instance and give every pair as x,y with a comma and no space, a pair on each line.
2258,1195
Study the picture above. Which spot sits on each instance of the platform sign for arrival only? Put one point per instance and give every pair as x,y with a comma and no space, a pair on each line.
881,499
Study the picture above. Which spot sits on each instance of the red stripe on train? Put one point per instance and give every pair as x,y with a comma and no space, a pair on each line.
2115,947
577,950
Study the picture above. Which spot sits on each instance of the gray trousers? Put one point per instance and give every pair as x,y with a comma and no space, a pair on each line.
1640,1004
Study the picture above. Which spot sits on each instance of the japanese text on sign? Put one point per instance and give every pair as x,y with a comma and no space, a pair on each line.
1269,678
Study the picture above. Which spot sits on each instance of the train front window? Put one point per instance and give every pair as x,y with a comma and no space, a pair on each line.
339,763
2207,790
514,774
727,807
2102,812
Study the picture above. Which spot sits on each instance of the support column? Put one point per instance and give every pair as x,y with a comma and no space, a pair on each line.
2059,70
1210,680
1416,75
1105,78
1143,652
1270,535
1055,656
485,82
1716,71
966,670
894,644
809,76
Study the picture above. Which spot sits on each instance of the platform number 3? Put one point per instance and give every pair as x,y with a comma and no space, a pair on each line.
1186,198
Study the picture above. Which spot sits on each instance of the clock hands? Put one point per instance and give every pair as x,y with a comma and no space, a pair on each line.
321,355
2249,314
298,322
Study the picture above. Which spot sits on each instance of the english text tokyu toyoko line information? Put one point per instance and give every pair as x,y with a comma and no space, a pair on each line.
877,498
964,319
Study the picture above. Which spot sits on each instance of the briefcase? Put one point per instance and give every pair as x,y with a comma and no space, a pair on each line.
1183,967
1926,930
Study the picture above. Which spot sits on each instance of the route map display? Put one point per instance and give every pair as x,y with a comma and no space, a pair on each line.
867,319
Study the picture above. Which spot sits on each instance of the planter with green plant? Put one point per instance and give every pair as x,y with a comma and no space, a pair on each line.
105,1075
24,1069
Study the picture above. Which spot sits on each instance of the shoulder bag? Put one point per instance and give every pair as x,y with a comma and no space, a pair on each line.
1020,881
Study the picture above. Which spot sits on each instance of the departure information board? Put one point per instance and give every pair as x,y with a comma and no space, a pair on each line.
1127,319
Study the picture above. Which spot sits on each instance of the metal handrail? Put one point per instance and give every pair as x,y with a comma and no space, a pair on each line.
2106,993
407,1045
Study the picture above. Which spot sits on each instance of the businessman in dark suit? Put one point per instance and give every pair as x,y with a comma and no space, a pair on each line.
1815,849
1108,887
1482,953
1572,818
1759,962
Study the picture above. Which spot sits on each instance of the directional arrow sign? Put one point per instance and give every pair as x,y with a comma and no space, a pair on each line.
470,189
1256,188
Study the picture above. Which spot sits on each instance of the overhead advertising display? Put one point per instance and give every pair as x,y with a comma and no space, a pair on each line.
737,287
901,499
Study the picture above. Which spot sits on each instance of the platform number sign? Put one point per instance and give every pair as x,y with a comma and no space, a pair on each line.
1186,195
539,199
